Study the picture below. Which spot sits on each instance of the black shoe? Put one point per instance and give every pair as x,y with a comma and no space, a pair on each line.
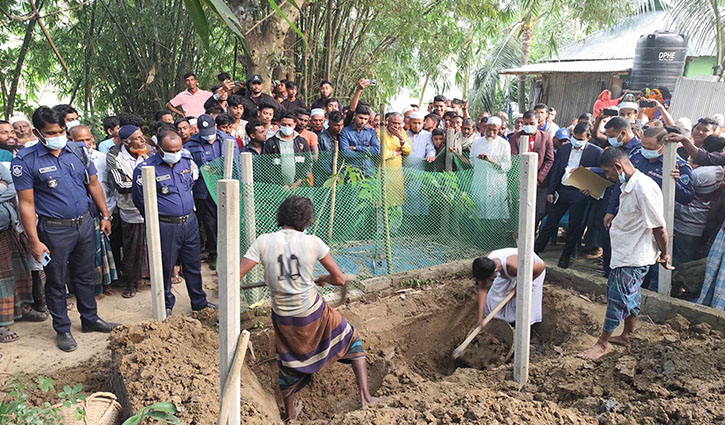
99,326
564,262
212,264
66,342
208,305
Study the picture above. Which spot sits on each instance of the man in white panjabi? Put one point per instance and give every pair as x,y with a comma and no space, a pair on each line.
495,276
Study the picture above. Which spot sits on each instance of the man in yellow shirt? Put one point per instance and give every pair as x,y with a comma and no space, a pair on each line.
396,145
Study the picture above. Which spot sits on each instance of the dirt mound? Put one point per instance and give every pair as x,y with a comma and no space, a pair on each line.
673,374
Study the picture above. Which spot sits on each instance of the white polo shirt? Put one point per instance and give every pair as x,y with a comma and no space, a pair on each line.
640,211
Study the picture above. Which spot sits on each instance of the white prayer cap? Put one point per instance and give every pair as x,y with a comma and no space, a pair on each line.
494,121
417,115
192,121
720,118
407,109
18,118
450,109
684,123
629,105
517,116
317,111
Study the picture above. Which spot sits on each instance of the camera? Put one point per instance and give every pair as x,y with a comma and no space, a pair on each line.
610,112
647,104
373,82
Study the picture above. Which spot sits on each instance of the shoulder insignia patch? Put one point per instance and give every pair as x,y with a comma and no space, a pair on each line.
139,180
17,170
685,179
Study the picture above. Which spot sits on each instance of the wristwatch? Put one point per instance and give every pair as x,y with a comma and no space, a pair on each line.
106,218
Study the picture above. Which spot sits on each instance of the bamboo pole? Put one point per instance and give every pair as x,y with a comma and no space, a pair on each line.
229,304
334,193
524,276
153,243
384,192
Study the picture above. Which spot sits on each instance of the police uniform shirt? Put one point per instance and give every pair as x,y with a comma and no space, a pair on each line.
58,183
203,152
173,185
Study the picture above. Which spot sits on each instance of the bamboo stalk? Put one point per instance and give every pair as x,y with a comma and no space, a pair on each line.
384,192
334,193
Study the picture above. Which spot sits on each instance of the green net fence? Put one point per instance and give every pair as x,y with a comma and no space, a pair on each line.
407,215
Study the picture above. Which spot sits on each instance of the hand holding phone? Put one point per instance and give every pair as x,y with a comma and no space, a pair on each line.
45,259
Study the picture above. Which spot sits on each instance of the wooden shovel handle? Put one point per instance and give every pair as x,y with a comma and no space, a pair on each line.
459,350
234,375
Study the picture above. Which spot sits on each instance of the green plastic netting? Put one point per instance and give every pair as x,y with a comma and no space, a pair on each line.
433,217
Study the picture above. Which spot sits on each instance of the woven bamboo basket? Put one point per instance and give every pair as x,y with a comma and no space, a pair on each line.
101,409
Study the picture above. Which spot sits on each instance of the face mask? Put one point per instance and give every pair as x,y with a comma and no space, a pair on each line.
287,131
529,129
71,124
614,141
55,143
622,178
576,142
216,96
650,153
209,138
170,158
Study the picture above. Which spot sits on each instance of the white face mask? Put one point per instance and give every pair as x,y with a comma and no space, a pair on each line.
209,138
170,158
287,131
55,143
529,129
71,124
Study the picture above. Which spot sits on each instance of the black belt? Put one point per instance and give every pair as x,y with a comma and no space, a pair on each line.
174,219
66,222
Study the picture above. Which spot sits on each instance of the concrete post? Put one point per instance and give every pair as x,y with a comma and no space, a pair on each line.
153,243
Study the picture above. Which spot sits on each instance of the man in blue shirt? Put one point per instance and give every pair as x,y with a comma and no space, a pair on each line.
648,160
57,181
175,176
358,142
206,146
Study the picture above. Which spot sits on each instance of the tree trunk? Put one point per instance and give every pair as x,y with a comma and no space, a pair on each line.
269,39
19,65
526,33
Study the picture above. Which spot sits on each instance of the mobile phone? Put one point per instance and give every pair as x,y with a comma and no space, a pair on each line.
610,112
45,259
647,104
373,82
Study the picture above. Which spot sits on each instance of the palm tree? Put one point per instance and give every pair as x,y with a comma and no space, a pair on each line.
702,21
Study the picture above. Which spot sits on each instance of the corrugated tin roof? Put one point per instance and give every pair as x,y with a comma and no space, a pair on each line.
577,66
620,41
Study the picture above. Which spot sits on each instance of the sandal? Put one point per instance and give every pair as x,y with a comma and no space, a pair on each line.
31,315
176,279
107,290
6,335
298,409
129,292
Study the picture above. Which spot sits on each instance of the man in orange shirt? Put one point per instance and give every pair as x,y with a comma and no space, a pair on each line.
302,121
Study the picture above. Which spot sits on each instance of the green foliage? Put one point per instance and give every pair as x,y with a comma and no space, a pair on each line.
162,412
15,409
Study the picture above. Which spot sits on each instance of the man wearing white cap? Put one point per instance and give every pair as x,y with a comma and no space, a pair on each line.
629,111
23,129
317,121
422,151
491,160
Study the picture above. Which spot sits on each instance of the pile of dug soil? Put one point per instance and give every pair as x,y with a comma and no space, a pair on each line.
672,374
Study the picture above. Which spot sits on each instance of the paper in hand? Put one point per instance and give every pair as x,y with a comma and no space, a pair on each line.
584,179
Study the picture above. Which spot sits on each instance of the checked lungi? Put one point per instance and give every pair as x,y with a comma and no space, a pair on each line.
624,295
713,288
309,342
16,284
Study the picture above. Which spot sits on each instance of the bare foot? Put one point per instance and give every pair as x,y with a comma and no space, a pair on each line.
371,402
597,351
622,340
296,410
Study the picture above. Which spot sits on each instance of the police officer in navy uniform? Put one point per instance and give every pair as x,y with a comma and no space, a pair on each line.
176,173
56,180
205,146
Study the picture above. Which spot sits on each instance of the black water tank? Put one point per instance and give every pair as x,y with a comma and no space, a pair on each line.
659,60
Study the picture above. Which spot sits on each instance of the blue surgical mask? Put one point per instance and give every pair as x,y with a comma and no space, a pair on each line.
55,143
576,143
529,129
614,141
209,138
287,131
170,158
622,178
650,153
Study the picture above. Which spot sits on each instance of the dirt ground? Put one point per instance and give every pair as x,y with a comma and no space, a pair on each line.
673,374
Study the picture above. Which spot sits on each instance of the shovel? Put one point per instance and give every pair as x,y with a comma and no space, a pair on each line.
459,350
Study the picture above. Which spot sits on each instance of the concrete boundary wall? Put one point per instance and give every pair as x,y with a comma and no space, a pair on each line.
658,307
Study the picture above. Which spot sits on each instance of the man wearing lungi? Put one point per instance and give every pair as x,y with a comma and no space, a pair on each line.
638,238
310,335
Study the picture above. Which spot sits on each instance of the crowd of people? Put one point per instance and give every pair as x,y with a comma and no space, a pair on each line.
67,198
